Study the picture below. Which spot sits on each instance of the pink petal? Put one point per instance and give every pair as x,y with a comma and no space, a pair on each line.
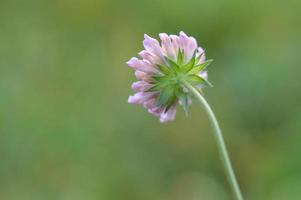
175,43
188,45
193,45
167,46
153,46
141,97
169,115
157,111
149,57
151,103
140,86
183,40
142,65
204,75
200,54
152,107
142,76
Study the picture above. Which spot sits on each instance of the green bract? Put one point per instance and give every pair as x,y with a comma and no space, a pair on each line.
170,82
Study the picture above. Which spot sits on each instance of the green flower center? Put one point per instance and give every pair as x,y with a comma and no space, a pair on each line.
170,83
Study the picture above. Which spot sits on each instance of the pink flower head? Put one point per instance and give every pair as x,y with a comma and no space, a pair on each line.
161,70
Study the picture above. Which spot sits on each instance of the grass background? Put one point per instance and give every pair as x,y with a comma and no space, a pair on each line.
67,132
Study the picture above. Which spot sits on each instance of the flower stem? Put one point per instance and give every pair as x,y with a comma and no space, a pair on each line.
220,141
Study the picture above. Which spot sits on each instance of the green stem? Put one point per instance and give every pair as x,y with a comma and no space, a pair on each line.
220,141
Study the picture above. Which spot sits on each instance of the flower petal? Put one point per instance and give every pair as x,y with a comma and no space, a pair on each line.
204,75
188,45
200,54
151,103
152,107
157,111
140,86
167,47
169,115
149,57
175,43
153,46
141,97
142,76
142,65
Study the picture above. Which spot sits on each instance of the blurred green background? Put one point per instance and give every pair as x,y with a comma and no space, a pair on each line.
68,133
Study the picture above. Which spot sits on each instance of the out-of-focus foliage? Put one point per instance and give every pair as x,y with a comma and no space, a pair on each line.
67,132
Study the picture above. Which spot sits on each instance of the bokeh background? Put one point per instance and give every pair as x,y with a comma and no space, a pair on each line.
67,132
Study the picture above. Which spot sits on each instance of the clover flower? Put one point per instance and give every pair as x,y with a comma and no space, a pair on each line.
161,70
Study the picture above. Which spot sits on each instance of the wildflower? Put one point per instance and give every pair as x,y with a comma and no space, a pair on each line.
161,70
171,73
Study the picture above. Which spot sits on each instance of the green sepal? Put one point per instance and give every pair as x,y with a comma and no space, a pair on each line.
207,83
172,64
159,78
165,95
195,80
170,102
190,64
155,88
200,67
180,58
165,70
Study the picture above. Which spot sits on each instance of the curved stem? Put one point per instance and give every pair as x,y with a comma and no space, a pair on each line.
220,141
